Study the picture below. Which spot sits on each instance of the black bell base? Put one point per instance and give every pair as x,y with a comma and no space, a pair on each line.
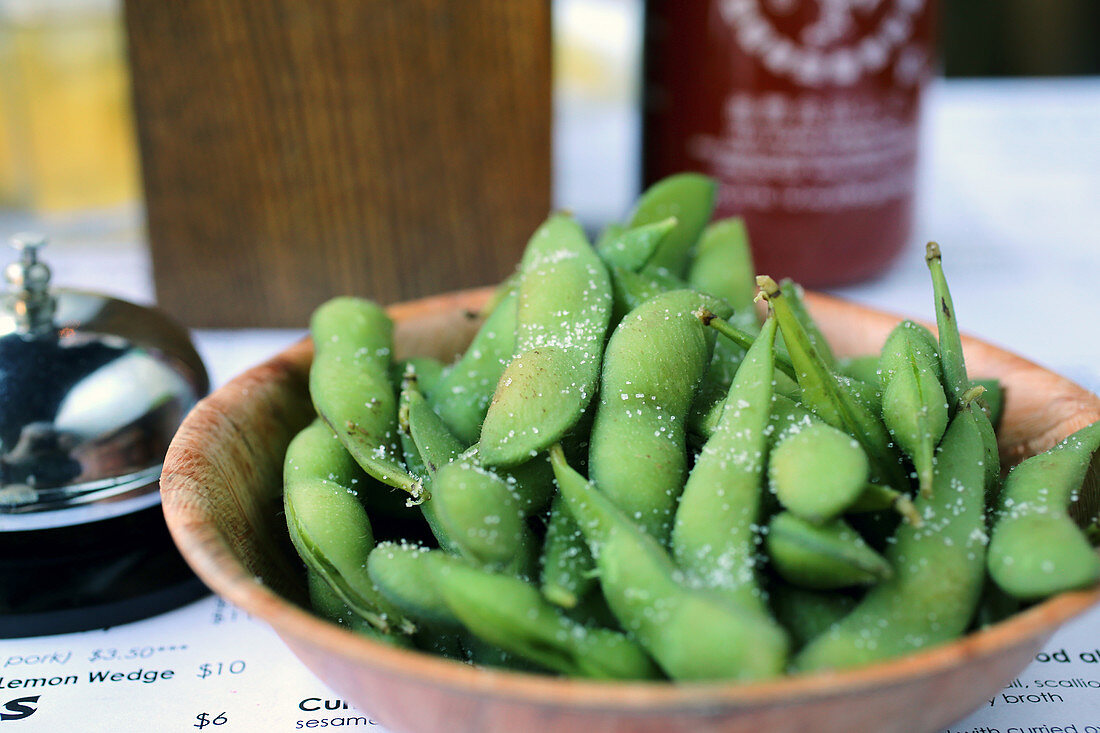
90,576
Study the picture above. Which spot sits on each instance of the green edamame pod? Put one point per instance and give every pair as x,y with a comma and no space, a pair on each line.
428,445
938,567
482,518
631,289
545,389
677,625
714,537
632,248
511,615
818,472
1037,550
566,564
403,578
435,443
793,293
954,367
864,368
825,396
706,408
609,232
328,525
425,370
914,406
350,386
471,510
867,394
788,416
461,397
653,364
723,267
808,613
531,482
326,603
690,198
950,342
822,556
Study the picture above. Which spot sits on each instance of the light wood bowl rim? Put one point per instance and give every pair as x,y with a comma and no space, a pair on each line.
214,562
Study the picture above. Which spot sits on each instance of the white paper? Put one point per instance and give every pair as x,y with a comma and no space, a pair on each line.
207,666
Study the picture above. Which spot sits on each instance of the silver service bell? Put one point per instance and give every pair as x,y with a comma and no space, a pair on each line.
92,389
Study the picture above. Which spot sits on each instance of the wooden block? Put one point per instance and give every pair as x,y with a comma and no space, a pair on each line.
295,150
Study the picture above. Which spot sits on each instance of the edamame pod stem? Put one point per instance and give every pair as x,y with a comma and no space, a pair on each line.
328,525
652,368
1037,550
545,389
632,248
994,397
823,394
690,198
350,386
914,406
679,626
522,622
822,556
715,538
938,567
461,397
954,367
744,339
875,498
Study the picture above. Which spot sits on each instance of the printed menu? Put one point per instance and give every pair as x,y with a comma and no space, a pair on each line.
211,667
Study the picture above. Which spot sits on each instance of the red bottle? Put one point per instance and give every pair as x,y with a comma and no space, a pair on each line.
805,111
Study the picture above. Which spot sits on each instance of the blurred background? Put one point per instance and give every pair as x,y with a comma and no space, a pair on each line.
67,145
1013,131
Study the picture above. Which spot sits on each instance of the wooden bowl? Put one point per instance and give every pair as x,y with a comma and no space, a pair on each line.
222,499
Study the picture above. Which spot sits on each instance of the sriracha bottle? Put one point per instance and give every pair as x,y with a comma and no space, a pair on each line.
805,111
